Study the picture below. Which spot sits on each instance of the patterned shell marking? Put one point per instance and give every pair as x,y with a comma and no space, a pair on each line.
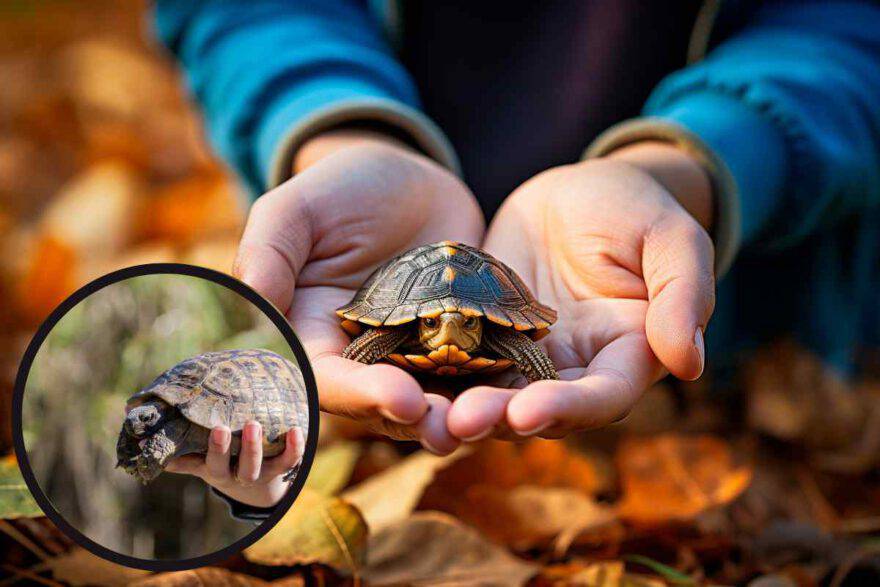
446,277
231,387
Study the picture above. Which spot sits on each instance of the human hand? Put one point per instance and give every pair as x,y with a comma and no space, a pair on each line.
356,201
255,481
630,272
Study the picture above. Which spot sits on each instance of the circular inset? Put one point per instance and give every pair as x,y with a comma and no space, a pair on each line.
118,394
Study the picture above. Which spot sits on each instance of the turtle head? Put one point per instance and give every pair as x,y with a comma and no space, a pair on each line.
146,418
451,328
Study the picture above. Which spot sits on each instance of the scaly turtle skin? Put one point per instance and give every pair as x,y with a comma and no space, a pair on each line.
448,309
174,415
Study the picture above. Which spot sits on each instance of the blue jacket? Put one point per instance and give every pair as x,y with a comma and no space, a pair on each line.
785,102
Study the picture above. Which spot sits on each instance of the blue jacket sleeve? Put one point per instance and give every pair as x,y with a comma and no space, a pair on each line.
265,69
791,104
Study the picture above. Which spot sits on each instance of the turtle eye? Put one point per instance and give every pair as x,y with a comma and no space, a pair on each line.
430,322
470,322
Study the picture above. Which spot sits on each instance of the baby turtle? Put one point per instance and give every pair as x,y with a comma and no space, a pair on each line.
174,415
448,309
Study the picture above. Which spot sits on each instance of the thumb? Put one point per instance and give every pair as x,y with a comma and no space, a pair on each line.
274,247
677,263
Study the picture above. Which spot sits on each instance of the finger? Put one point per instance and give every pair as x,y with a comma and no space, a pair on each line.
677,265
606,391
251,456
432,431
477,412
349,388
188,465
217,458
366,391
291,457
275,246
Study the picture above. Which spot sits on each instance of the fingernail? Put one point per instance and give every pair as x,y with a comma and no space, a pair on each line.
252,431
388,415
479,436
700,344
535,430
218,436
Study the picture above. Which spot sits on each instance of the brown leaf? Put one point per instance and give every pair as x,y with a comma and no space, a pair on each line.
674,477
317,529
600,574
81,567
528,516
392,495
436,549
201,577
522,495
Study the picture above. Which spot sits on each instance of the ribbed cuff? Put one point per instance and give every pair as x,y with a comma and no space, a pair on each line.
726,227
420,131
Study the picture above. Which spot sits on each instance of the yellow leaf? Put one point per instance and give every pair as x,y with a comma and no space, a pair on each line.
393,494
332,467
317,529
431,548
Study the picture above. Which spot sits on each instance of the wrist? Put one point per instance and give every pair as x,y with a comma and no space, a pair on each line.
677,171
333,140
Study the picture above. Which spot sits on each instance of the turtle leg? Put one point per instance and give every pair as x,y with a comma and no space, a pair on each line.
375,344
531,359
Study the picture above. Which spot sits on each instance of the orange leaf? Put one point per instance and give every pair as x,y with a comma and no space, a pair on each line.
191,208
675,478
47,280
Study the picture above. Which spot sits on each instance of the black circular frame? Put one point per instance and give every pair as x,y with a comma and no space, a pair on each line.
152,269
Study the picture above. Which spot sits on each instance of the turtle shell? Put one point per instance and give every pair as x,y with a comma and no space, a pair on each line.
232,387
446,277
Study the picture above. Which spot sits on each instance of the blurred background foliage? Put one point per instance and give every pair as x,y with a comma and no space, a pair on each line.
107,347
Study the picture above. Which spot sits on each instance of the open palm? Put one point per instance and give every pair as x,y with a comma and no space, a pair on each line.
310,244
630,273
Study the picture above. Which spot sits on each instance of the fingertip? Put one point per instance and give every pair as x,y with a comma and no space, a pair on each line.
475,413
396,394
433,433
533,409
221,437
680,348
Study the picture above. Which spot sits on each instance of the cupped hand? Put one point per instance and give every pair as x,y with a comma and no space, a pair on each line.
310,244
253,480
630,272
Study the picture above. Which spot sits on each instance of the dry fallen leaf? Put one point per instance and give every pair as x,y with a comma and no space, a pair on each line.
674,477
199,578
192,208
599,574
215,253
528,516
393,494
93,214
436,549
15,497
332,467
81,567
317,529
48,279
